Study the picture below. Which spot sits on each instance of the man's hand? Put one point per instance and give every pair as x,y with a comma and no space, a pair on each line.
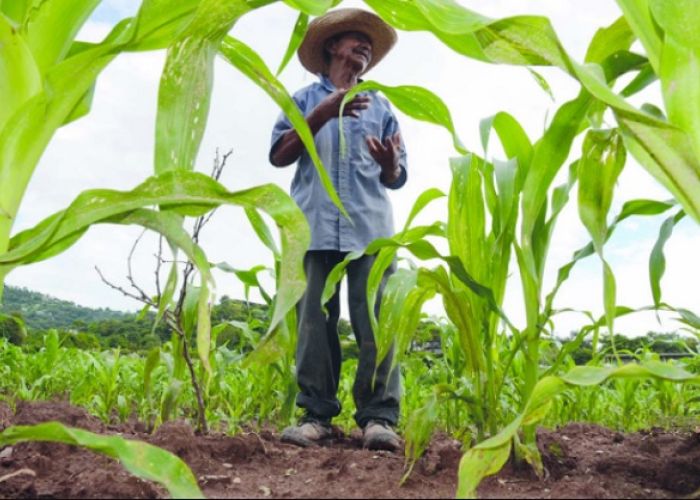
290,146
329,107
387,155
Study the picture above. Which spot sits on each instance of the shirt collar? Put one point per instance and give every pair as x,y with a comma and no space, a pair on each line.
327,84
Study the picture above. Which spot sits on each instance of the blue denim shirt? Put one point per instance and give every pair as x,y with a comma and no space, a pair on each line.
355,175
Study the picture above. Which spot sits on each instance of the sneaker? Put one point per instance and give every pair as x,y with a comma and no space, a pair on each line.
378,435
308,432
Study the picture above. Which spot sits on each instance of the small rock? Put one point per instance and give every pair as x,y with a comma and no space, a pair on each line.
290,472
236,480
215,479
308,481
265,491
226,465
6,454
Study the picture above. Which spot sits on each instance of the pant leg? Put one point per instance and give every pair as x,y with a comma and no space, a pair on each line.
318,353
381,399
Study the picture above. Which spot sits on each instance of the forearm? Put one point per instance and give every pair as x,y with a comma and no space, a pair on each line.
290,146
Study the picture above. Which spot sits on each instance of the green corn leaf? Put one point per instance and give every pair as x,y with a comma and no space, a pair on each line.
140,459
399,315
50,28
263,232
506,174
15,10
601,164
312,7
250,64
526,40
657,259
678,20
423,200
160,22
542,83
190,308
416,102
610,40
176,189
168,291
638,15
152,361
644,78
20,77
466,217
459,311
549,154
295,41
689,318
168,405
82,108
482,461
513,138
419,430
249,278
185,87
266,351
679,74
642,207
384,258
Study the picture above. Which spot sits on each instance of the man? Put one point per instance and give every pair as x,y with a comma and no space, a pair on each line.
341,46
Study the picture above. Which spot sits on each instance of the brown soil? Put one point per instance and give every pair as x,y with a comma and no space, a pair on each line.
581,461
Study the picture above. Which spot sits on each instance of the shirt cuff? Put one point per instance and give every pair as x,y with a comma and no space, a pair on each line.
399,182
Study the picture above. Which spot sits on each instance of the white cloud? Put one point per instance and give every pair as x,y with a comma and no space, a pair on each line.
112,148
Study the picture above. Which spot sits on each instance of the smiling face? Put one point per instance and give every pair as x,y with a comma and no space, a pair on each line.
352,48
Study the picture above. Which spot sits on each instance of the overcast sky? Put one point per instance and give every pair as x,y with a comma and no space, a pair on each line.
113,148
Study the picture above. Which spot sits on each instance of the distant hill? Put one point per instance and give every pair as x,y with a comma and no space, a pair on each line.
107,328
42,311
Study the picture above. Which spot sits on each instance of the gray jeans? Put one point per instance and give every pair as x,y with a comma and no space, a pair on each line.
318,353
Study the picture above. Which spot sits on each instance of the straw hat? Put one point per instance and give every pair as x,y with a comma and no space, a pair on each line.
322,28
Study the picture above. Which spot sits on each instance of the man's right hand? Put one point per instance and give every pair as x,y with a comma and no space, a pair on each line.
329,107
290,146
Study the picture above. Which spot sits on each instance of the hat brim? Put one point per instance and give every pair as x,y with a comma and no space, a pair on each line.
382,36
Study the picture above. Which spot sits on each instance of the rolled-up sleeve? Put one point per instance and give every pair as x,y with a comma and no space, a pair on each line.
391,127
283,125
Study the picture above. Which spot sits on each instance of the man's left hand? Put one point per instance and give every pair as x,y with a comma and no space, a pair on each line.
387,155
